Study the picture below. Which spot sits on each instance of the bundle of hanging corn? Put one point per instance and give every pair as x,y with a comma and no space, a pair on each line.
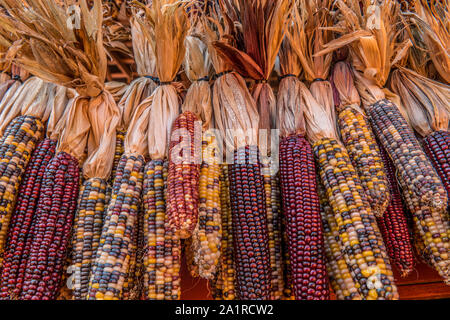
204,245
374,49
237,119
367,159
432,29
300,201
359,237
20,232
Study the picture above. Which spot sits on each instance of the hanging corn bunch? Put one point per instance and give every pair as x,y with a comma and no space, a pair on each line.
360,240
237,119
300,201
418,181
20,232
168,23
206,237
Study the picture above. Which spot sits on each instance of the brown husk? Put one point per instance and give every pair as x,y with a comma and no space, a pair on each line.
117,89
197,65
426,102
169,25
342,78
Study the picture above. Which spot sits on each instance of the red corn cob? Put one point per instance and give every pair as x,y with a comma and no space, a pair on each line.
54,217
182,183
394,225
437,147
19,234
303,221
250,235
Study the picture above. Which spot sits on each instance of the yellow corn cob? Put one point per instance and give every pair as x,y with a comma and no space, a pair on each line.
340,277
163,250
359,237
207,236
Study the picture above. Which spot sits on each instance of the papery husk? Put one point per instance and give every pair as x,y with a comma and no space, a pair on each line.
6,103
117,89
74,136
319,122
322,91
5,84
53,49
116,28
343,82
197,65
432,21
426,102
136,142
58,112
29,94
169,24
104,116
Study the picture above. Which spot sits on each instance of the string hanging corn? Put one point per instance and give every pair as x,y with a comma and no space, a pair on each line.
341,278
359,140
23,217
359,237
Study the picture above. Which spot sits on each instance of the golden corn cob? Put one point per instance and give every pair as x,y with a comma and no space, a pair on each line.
16,146
359,237
114,252
87,232
163,250
340,277
207,236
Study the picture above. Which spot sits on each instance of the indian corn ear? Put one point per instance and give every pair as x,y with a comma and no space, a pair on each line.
437,147
20,234
182,184
303,224
359,236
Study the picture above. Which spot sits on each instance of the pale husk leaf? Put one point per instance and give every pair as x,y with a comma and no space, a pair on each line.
290,108
136,142
59,107
342,78
117,89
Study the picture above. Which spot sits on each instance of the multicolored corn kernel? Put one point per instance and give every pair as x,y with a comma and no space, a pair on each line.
359,237
20,233
119,150
162,258
119,227
364,153
303,223
183,180
249,216
414,170
52,231
16,146
394,225
87,232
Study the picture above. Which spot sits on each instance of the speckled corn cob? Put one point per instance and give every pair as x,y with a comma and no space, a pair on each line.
20,233
182,183
52,232
414,171
223,286
114,252
394,226
359,236
119,150
16,146
250,235
365,156
303,222
207,235
86,233
272,190
340,276
437,147
129,282
163,249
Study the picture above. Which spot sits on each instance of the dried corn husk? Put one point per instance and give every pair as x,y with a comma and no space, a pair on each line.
62,100
168,24
117,89
116,28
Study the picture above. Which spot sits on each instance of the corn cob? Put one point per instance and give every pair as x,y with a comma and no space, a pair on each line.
113,254
207,235
19,233
163,249
87,231
359,236
250,236
288,292
182,184
129,290
16,147
51,237
67,279
413,167
303,225
224,283
394,226
120,149
437,147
